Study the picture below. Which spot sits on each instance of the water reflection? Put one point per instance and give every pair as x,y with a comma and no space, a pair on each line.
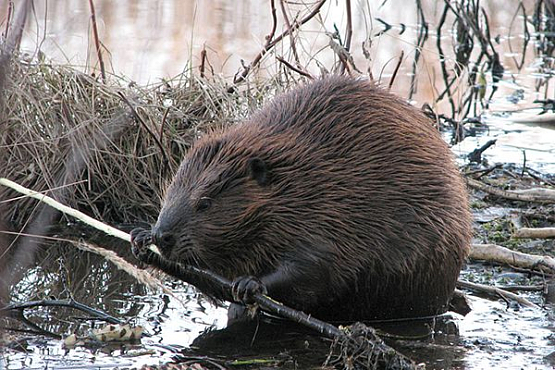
148,40
152,39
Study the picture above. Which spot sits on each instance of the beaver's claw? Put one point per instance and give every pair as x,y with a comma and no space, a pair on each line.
244,289
140,240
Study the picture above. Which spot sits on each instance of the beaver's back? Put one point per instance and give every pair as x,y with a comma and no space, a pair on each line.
373,176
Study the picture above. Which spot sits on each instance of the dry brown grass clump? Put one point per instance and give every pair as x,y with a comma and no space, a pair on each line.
63,128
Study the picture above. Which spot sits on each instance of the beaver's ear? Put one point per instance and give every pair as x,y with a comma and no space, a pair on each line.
259,171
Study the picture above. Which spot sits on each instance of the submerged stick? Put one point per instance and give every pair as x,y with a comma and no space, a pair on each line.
17,310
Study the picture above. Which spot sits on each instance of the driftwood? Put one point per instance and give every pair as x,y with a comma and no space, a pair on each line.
540,232
496,292
537,192
537,195
499,254
17,310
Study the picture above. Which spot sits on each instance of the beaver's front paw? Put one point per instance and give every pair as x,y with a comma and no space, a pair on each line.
140,240
244,288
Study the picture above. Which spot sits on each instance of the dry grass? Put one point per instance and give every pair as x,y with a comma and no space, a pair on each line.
63,128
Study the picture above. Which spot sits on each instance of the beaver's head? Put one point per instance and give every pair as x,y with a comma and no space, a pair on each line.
214,210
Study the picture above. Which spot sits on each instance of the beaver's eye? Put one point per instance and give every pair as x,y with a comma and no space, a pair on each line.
204,203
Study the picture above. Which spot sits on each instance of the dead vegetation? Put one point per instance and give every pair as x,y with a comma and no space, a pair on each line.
113,145
107,146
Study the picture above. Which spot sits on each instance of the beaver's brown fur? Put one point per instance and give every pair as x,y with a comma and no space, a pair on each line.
342,199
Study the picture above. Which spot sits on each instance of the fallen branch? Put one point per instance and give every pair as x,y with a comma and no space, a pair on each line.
358,344
17,310
499,254
292,67
539,233
496,292
523,288
544,197
538,192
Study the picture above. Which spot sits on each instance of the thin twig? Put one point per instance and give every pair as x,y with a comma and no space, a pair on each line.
511,195
526,36
270,43
291,38
165,160
97,41
298,70
264,50
8,18
63,303
396,69
142,276
495,292
349,32
15,33
443,57
202,61
163,124
421,40
65,209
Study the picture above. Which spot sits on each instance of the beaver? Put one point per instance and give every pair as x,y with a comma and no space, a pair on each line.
337,198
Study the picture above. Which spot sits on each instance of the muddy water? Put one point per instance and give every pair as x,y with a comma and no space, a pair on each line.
149,40
494,335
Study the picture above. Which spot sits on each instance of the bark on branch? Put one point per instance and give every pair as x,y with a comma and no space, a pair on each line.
539,196
499,254
539,233
496,292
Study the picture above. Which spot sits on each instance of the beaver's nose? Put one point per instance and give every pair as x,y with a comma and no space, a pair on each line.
163,239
